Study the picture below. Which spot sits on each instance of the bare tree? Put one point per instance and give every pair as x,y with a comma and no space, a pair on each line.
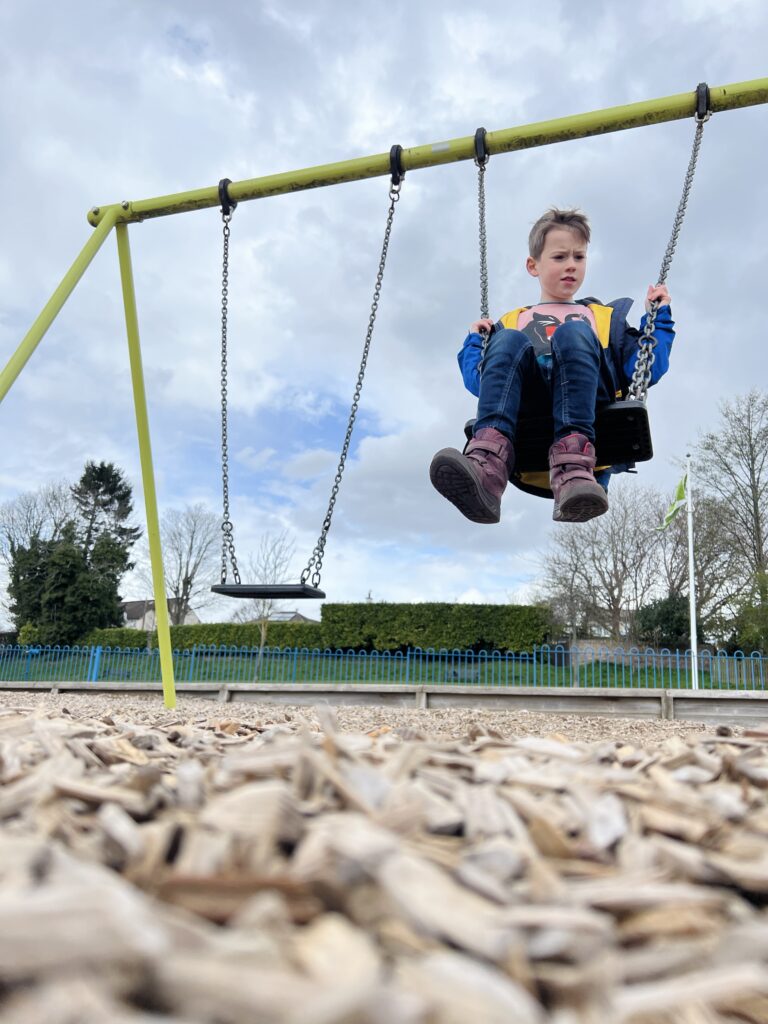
270,563
602,573
190,540
732,464
599,573
719,571
39,514
563,593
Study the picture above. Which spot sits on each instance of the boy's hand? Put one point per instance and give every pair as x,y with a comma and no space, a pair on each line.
481,326
657,293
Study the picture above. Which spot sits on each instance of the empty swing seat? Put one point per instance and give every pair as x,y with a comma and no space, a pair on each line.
267,591
622,435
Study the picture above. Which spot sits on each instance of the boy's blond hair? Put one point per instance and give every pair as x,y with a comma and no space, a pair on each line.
573,220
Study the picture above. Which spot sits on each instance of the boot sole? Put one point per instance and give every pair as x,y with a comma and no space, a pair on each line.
580,507
451,476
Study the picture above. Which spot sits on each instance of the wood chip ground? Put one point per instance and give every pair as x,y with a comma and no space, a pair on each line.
243,863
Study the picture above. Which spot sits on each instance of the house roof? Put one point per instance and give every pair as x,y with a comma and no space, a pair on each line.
137,609
288,616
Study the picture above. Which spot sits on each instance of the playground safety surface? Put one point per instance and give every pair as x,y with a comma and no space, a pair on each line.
244,863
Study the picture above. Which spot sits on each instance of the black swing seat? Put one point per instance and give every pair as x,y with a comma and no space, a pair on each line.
266,591
622,436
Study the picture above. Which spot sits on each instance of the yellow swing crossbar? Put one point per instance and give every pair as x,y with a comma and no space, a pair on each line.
119,215
542,133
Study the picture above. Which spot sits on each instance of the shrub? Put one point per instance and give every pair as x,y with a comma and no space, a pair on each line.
367,626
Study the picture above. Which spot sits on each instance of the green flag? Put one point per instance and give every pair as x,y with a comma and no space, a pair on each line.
678,502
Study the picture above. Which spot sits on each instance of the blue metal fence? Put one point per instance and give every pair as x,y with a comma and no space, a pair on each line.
546,665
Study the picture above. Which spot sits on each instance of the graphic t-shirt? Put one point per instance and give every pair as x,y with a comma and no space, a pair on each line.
540,322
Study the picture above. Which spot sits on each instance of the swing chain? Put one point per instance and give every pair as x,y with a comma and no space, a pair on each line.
483,243
315,564
227,537
641,378
482,156
481,159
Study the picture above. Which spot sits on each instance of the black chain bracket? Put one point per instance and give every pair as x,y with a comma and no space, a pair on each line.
703,102
396,169
482,156
228,205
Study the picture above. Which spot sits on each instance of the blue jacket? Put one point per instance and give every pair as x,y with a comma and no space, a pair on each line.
622,344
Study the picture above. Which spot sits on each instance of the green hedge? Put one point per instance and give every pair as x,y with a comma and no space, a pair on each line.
386,627
368,626
231,634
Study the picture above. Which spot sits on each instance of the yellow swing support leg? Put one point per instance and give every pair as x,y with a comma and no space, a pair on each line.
147,473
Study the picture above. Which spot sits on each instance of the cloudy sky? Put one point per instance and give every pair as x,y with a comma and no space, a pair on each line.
104,101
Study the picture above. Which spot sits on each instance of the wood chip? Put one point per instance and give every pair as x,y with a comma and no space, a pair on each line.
276,868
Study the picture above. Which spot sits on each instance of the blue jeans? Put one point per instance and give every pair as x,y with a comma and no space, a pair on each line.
513,385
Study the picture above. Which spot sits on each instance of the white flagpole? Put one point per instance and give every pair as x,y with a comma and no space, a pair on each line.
691,575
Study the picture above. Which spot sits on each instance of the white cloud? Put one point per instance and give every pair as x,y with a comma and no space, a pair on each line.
255,459
295,23
309,464
177,99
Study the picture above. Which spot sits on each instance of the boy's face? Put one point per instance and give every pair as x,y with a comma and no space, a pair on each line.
561,266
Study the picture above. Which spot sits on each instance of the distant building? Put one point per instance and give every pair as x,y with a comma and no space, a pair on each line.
287,617
141,614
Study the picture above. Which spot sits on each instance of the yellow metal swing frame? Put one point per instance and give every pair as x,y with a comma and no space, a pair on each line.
118,216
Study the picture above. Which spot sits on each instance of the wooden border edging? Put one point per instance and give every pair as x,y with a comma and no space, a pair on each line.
736,707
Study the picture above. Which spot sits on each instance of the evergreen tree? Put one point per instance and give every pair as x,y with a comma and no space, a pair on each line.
665,623
64,603
104,502
109,563
27,574
65,587
751,622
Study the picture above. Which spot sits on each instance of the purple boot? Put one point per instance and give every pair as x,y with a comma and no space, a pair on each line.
474,481
578,496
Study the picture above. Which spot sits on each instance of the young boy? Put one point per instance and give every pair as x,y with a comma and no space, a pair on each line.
564,354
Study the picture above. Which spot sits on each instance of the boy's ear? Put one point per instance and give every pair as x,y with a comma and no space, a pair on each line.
530,266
